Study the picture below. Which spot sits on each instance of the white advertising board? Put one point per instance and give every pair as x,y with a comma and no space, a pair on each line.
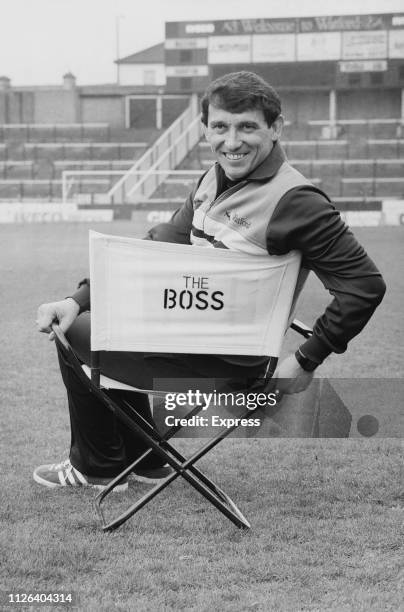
396,44
393,212
199,28
229,49
186,71
317,46
362,218
364,44
273,48
48,212
363,66
186,43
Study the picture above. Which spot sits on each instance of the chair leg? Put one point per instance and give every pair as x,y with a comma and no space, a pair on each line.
211,492
163,442
182,467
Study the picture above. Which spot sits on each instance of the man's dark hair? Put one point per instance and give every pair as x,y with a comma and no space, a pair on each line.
237,92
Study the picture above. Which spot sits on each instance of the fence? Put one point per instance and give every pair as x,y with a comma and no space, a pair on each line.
171,186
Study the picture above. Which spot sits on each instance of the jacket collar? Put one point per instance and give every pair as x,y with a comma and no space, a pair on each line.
267,168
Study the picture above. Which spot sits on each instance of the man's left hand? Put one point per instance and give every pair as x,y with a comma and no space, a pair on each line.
290,377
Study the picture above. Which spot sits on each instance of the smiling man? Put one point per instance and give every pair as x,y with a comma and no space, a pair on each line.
241,141
252,201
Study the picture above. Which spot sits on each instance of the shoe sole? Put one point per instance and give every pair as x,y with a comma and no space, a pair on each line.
54,485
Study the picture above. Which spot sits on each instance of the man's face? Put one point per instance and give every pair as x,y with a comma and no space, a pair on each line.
240,141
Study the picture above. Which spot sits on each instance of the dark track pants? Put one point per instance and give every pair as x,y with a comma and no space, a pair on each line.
101,445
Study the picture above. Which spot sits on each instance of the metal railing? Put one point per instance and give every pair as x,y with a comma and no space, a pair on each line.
165,154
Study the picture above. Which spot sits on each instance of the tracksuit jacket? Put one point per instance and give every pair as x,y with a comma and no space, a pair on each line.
275,209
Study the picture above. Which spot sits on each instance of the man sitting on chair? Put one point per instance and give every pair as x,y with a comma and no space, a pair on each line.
252,201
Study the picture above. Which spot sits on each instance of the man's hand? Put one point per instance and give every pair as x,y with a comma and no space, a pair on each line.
290,377
63,313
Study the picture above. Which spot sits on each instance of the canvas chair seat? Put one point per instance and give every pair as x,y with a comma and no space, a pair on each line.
111,383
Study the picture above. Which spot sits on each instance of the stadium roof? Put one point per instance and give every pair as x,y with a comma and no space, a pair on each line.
151,55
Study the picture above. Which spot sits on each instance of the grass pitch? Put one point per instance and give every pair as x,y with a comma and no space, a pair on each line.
326,514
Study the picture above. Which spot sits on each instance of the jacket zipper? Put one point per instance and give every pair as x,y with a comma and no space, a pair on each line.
221,197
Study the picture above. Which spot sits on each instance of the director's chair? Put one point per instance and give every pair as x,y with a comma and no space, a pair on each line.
153,306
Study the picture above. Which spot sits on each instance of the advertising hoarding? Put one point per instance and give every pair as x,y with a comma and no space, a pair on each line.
273,48
229,49
319,46
364,45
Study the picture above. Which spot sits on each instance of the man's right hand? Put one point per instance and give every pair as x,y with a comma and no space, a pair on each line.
63,313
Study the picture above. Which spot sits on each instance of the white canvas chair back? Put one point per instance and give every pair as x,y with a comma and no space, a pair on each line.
151,296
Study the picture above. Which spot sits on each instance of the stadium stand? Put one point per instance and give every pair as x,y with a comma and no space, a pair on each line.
34,156
82,150
43,132
353,165
342,97
345,168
